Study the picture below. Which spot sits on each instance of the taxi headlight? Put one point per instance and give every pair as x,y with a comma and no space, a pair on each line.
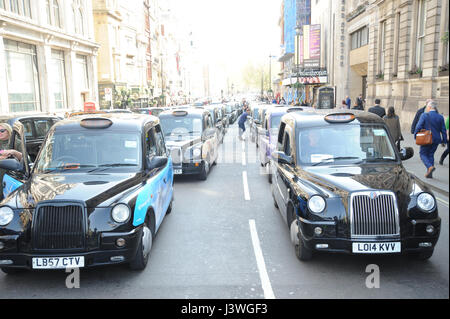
6,215
316,204
196,152
426,202
120,213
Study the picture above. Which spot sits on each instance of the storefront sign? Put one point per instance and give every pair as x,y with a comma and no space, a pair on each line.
89,106
311,46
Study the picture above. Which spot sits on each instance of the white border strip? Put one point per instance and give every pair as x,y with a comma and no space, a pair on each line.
265,281
246,192
442,201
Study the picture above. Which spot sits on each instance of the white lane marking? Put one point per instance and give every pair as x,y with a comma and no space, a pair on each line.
246,192
243,159
265,281
442,201
243,145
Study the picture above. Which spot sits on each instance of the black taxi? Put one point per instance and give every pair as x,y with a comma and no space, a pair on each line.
97,194
339,183
192,139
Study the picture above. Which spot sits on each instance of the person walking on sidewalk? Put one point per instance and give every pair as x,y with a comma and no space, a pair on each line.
431,120
418,115
241,123
377,109
348,101
444,155
393,123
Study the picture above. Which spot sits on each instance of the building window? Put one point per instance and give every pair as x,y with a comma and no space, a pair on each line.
56,15
58,79
49,11
360,38
22,76
14,6
397,42
26,6
421,27
82,72
382,46
78,17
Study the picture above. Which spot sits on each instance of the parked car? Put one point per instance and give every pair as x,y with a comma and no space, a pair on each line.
216,115
36,127
268,134
339,183
258,115
96,195
231,112
151,110
192,140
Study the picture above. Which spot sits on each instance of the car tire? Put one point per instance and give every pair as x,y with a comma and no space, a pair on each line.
269,174
12,271
203,175
274,201
140,260
302,252
423,255
169,209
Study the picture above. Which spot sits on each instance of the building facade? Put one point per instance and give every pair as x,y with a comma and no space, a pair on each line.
47,56
408,55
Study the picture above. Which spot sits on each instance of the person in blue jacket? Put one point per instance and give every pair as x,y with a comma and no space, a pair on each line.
431,120
241,123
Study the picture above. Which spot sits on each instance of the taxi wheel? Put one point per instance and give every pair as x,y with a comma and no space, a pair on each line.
12,271
169,209
139,261
269,174
424,255
203,174
303,253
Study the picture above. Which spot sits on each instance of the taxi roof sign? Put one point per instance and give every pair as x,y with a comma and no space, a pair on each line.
96,123
340,118
179,113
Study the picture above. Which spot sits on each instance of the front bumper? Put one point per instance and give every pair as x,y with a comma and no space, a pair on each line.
192,168
98,257
410,242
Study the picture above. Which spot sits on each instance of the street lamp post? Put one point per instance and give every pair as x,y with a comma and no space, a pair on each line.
270,75
298,31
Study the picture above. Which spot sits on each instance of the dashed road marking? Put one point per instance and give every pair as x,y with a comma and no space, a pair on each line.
246,192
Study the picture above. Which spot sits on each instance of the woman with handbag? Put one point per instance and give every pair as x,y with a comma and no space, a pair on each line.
430,123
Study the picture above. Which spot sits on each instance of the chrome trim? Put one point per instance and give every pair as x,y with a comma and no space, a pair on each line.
379,219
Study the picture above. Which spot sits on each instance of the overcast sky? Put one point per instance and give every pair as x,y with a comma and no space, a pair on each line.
232,33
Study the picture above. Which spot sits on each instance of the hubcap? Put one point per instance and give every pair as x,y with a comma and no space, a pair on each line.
146,241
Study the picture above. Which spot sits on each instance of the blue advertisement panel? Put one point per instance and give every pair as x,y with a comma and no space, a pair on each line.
290,17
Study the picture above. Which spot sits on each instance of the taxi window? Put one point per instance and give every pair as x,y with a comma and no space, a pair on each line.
287,144
42,127
90,149
341,142
28,126
182,125
275,121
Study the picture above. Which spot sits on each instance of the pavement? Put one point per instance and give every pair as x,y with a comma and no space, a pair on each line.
439,182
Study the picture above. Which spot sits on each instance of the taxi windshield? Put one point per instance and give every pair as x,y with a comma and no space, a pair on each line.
345,142
183,125
89,149
275,121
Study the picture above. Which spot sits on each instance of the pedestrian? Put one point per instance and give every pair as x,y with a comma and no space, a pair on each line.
444,155
241,123
5,152
417,116
343,105
360,102
433,121
348,102
283,101
377,109
393,123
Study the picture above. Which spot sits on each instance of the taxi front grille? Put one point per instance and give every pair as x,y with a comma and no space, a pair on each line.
176,155
374,214
58,227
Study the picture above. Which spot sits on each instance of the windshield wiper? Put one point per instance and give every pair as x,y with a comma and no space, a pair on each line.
66,167
339,158
379,159
106,166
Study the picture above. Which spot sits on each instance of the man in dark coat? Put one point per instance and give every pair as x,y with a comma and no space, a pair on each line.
377,109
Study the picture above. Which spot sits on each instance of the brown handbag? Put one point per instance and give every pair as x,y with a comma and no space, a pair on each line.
424,137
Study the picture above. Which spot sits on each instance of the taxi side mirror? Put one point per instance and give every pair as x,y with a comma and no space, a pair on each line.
156,162
406,153
11,165
282,158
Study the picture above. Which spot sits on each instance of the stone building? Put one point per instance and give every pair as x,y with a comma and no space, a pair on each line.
408,54
47,56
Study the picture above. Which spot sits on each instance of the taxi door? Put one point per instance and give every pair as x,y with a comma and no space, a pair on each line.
264,141
14,179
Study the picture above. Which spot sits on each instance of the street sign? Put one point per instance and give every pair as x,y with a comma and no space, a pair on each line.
89,106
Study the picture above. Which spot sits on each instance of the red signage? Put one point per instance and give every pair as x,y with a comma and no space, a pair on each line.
89,106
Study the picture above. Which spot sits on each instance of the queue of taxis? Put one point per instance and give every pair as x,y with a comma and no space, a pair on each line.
97,194
340,186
